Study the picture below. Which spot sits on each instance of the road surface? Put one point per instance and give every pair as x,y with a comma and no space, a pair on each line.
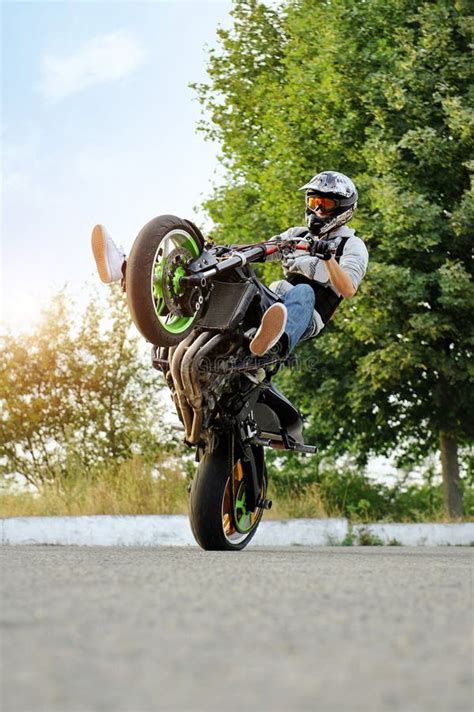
145,629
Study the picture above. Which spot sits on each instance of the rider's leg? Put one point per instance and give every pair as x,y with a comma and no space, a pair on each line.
288,321
110,259
282,288
299,303
271,329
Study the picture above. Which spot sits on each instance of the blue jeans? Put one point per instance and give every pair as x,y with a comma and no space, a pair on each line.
299,303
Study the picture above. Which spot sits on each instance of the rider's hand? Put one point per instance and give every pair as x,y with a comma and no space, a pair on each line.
321,249
288,261
304,265
273,257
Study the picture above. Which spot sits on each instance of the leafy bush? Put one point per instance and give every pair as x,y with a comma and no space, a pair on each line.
346,490
77,394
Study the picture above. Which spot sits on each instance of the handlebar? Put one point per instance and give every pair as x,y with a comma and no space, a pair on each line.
300,246
239,257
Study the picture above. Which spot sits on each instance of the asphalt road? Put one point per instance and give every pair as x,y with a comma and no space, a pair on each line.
137,630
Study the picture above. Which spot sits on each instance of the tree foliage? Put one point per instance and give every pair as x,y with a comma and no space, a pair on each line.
382,91
76,394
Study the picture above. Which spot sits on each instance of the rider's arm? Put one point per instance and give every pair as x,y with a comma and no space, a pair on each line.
340,280
346,275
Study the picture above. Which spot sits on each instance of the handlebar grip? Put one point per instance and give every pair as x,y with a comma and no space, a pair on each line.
270,250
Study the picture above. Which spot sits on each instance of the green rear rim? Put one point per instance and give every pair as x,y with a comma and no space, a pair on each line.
242,514
173,324
238,521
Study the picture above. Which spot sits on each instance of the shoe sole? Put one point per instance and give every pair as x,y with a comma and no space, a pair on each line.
99,248
270,330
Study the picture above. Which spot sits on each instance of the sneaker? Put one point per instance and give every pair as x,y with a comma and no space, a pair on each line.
270,330
108,257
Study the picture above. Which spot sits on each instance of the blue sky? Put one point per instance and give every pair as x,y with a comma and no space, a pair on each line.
98,125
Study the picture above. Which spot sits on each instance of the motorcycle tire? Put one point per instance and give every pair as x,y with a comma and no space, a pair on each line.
211,516
145,278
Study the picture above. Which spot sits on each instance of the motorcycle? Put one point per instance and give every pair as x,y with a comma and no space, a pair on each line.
199,304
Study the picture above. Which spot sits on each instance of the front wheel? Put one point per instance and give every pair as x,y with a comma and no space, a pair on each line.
220,519
156,263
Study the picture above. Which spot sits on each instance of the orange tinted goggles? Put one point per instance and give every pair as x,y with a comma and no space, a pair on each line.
317,201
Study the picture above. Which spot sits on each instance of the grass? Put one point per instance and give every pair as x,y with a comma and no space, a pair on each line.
129,489
133,488
132,491
368,538
305,504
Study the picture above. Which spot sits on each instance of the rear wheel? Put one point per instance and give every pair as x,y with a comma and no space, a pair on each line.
154,268
218,503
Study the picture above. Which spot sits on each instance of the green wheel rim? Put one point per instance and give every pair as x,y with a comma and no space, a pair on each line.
170,323
242,514
237,521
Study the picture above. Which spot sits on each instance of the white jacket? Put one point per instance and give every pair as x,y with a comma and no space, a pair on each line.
354,258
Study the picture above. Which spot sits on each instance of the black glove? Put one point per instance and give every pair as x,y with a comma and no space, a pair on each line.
321,249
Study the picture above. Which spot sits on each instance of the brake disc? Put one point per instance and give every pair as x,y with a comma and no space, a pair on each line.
173,270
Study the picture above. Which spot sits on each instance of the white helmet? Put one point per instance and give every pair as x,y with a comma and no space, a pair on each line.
336,194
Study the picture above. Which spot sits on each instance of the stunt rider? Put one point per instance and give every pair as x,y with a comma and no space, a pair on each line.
314,285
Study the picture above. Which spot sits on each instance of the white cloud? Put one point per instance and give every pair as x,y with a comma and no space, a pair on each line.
103,59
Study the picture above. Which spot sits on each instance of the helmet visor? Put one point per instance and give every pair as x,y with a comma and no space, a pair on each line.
313,202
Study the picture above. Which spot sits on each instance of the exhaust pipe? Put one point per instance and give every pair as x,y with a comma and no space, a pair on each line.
182,407
192,380
191,386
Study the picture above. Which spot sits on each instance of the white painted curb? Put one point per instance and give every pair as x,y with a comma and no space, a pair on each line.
100,530
174,530
420,534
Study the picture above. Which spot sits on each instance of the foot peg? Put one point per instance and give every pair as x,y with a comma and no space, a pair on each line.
264,503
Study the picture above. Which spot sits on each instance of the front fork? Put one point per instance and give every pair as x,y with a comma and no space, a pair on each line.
243,436
239,437
240,433
250,466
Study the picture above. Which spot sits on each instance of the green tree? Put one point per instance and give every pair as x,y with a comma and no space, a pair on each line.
381,91
76,394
